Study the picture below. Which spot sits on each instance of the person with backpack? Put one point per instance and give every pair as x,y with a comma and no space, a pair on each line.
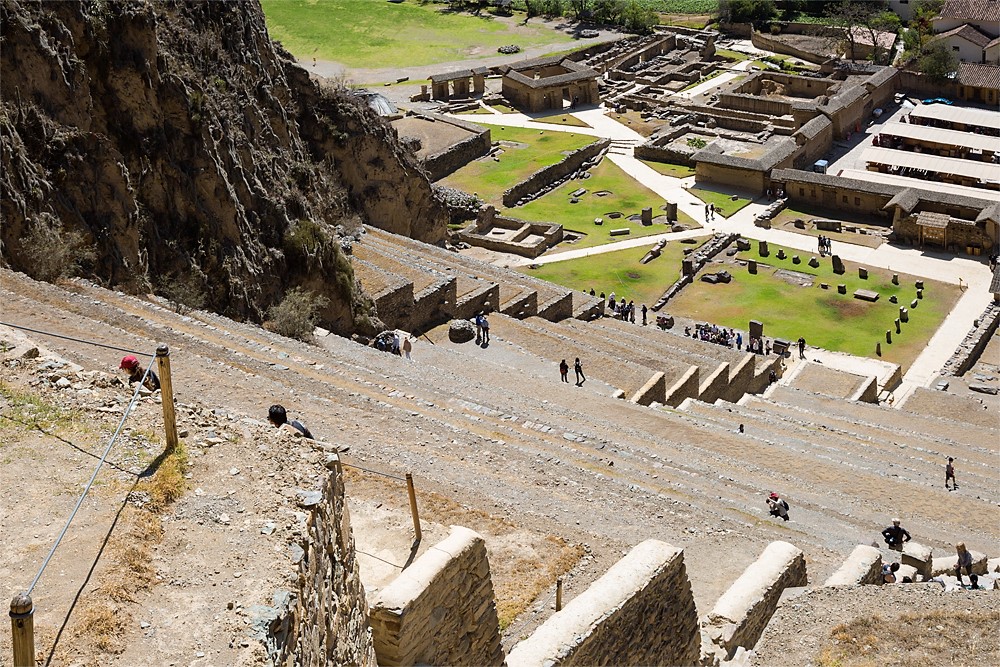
136,373
777,506
564,370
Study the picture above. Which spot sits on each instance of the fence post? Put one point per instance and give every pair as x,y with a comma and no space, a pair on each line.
22,627
413,505
167,396
559,594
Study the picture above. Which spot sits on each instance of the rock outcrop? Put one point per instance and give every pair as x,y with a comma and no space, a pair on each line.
181,143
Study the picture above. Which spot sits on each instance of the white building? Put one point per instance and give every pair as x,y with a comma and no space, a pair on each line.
967,43
983,15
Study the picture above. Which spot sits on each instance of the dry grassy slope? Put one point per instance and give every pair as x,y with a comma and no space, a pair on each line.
177,137
495,431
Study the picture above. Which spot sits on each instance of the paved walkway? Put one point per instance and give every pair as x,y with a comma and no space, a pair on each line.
974,275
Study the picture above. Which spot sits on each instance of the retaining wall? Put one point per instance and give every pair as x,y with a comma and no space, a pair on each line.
641,612
654,390
741,614
329,624
441,610
863,566
545,178
972,346
716,382
685,387
769,43
460,154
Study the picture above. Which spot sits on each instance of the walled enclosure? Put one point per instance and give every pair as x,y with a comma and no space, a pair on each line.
441,610
641,612
546,178
329,624
741,614
438,160
544,83
521,237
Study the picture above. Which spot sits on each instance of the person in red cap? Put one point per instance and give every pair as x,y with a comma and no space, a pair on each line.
777,506
136,372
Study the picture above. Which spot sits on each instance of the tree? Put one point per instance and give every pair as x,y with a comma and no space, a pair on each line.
637,17
938,62
746,11
864,22
297,314
581,8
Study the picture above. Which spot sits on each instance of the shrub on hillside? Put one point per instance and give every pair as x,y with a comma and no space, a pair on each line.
297,314
185,292
51,252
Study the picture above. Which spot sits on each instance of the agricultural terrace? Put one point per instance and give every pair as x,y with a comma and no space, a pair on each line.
624,195
378,34
525,151
790,301
620,271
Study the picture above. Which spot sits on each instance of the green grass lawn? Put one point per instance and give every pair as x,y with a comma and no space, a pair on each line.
503,108
703,80
731,55
822,316
489,179
619,272
628,196
379,34
723,203
667,169
562,119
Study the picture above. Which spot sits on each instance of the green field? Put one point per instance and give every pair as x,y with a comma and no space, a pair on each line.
620,272
668,169
723,203
488,179
379,34
628,197
822,316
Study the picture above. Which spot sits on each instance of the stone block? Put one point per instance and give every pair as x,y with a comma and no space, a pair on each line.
623,231
920,557
888,336
863,566
913,304
824,285
838,265
993,565
814,262
647,216
920,294
598,221
687,267
752,267
893,299
898,329
906,571
796,259
946,564
756,329
919,284
841,288
862,273
764,252
742,244
904,314
895,279
781,253
866,295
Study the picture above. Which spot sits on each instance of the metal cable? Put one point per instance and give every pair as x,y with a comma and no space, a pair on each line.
86,490
76,340
374,472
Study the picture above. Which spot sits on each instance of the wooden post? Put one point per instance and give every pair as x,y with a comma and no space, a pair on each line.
22,627
413,506
559,594
167,396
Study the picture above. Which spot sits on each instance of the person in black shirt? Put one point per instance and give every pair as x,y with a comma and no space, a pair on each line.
279,417
895,536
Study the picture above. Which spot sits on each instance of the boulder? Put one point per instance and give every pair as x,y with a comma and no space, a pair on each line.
461,331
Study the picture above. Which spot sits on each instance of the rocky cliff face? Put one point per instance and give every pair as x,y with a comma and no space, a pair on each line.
180,141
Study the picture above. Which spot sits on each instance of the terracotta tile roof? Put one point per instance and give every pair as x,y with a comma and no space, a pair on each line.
966,32
972,10
979,76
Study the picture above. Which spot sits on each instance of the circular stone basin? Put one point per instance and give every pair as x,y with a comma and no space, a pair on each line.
602,193
614,215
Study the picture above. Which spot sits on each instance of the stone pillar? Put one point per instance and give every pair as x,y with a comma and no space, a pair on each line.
838,265
763,249
647,216
752,266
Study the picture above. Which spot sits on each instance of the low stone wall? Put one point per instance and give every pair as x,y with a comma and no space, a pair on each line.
946,564
755,104
741,379
546,178
769,43
654,390
458,155
867,391
329,624
641,612
558,308
441,609
742,613
715,384
863,566
546,234
972,346
700,257
685,387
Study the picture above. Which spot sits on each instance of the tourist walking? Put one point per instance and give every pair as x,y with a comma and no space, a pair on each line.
407,347
479,327
580,377
949,474
644,309
706,213
564,371
486,330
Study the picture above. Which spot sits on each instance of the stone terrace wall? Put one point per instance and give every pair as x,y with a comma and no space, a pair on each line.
441,610
768,43
741,614
329,625
972,346
863,566
641,612
546,177
458,155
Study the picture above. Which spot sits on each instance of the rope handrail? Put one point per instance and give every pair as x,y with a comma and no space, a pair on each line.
86,490
76,340
374,472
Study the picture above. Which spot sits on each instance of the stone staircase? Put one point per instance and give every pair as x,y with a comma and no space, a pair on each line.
623,146
496,429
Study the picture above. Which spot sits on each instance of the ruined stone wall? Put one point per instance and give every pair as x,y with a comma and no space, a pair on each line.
745,179
715,384
863,566
960,237
441,610
751,102
685,387
768,43
458,155
975,341
329,624
741,614
546,178
641,612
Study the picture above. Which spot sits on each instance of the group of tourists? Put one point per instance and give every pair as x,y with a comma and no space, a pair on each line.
391,342
895,536
713,333
710,211
577,368
482,329
825,245
621,310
